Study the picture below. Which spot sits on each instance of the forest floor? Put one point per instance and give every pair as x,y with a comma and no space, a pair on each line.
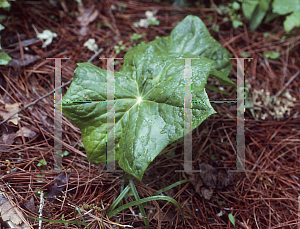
268,196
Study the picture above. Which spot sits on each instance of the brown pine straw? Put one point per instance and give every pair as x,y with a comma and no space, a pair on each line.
267,197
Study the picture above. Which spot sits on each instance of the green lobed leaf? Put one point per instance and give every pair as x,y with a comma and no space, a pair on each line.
235,6
189,36
283,7
4,4
151,73
236,23
142,130
271,54
292,21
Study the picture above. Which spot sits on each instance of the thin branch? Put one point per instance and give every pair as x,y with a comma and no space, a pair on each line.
287,84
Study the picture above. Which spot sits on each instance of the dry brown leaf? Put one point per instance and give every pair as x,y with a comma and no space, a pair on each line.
28,133
29,204
84,31
195,179
87,16
224,178
3,147
207,192
11,109
210,178
28,59
209,175
8,138
8,212
163,217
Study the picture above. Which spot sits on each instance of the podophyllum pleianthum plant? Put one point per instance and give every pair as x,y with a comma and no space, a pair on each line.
149,99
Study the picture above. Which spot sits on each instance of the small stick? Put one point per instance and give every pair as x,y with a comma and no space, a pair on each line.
96,54
41,209
216,8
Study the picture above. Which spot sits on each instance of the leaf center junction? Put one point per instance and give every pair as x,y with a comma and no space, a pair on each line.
139,99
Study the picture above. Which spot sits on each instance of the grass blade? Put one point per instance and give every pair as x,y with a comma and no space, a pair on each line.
81,217
141,207
144,200
119,198
169,187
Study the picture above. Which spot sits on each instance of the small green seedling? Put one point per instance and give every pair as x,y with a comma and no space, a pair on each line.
65,153
231,10
80,144
120,7
271,55
245,54
42,162
119,47
41,178
4,58
135,36
216,28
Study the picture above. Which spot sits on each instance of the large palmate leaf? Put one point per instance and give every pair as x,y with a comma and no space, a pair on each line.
189,36
149,97
143,128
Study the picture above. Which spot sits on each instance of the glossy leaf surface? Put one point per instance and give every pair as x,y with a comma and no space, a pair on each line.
149,96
